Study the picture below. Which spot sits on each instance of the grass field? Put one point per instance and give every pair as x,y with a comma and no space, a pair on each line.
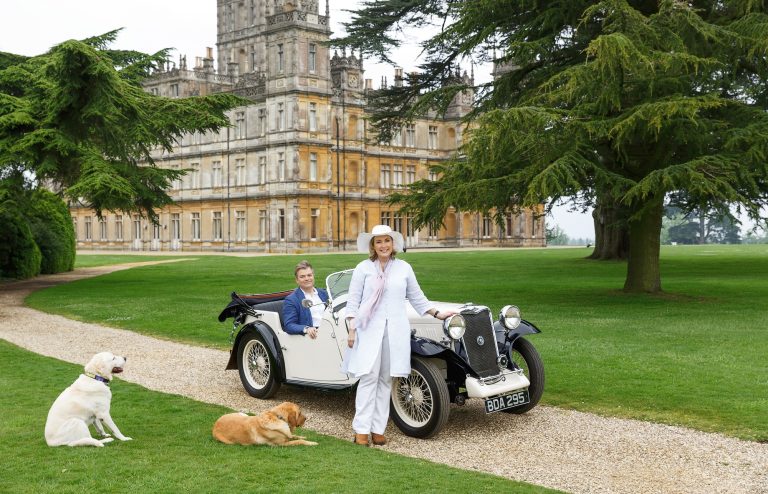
172,450
693,356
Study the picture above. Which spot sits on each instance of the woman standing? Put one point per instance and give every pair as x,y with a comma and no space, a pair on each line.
379,333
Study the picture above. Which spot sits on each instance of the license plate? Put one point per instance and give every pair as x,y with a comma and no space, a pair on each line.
505,402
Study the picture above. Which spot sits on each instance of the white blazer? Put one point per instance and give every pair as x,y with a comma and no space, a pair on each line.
390,313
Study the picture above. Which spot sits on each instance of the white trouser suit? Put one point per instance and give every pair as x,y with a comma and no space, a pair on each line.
382,348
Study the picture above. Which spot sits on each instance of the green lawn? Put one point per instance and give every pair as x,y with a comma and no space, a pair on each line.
693,356
172,450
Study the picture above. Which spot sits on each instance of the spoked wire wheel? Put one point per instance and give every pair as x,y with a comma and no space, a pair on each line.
257,367
420,402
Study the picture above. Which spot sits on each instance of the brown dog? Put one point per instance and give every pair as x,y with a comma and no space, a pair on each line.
274,427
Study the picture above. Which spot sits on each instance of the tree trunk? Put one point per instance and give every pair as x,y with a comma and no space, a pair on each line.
611,235
643,273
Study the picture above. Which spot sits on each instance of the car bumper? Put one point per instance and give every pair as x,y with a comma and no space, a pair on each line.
509,381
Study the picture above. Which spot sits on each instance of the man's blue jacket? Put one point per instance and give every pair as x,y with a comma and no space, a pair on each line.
296,317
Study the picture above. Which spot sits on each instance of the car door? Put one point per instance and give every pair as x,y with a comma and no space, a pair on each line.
313,361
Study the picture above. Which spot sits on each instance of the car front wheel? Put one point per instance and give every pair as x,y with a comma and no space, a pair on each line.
257,366
525,355
420,402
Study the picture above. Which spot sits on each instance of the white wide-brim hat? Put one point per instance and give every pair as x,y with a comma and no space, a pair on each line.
364,239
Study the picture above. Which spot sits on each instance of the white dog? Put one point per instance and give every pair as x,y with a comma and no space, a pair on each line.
85,402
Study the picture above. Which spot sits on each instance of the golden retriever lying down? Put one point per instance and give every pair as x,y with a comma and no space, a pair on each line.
274,427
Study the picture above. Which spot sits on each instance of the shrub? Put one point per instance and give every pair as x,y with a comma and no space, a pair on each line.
52,230
19,255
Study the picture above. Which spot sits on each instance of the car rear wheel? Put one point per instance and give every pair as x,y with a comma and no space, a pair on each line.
525,355
420,403
257,366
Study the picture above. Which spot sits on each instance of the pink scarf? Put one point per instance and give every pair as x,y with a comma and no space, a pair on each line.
369,306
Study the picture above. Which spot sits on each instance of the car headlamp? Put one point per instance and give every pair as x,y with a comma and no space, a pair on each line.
510,317
454,326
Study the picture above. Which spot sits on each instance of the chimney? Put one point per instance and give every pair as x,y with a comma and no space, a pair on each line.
398,77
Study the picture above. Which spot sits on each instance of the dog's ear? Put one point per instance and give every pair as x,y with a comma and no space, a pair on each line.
100,364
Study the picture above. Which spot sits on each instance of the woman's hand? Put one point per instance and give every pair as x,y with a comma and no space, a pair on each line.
445,314
351,337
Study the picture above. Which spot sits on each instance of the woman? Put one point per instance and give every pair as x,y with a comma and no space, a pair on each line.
379,332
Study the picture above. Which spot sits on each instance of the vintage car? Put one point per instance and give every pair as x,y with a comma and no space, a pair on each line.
467,356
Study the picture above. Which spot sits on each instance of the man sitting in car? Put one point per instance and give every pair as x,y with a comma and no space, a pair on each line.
297,318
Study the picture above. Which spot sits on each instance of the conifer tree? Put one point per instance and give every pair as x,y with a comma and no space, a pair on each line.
615,102
76,119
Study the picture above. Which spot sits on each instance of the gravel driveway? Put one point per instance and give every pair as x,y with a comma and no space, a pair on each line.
562,449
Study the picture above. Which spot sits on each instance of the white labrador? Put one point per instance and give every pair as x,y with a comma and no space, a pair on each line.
85,402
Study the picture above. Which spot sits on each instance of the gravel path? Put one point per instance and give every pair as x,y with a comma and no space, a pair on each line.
572,451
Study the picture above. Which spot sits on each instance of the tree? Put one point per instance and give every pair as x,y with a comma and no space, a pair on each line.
77,120
698,227
616,102
556,236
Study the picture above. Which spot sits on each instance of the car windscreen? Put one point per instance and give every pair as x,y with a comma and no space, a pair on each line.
338,283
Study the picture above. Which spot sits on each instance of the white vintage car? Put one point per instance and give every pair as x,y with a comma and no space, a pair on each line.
468,356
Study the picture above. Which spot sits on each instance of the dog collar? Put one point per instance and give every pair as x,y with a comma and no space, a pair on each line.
98,378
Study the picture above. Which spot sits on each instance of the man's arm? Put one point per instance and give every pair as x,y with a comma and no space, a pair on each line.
291,316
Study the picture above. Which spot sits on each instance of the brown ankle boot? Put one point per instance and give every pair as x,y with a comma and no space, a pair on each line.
379,439
361,439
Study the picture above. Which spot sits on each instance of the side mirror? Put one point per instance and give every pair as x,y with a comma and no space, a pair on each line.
307,303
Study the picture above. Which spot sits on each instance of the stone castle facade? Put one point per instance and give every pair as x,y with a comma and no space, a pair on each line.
299,169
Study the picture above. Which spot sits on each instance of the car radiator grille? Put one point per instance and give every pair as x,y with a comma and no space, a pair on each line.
482,357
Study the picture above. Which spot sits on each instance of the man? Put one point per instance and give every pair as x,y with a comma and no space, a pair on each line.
298,319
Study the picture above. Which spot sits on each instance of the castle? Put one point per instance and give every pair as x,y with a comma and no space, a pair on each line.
299,169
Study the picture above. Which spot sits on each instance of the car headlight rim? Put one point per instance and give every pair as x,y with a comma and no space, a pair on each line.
510,317
454,326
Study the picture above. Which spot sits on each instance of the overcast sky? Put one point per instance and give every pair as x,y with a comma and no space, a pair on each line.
31,27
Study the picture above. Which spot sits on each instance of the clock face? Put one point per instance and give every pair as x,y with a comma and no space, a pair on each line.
352,80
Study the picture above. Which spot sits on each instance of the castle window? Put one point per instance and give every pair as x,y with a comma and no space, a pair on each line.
313,225
410,135
281,116
217,225
312,117
240,226
240,125
397,181
216,175
118,227
195,226
176,226
312,167
487,226
280,57
88,229
312,62
239,172
385,178
103,228
281,224
262,170
386,218
410,174
137,227
432,143
194,175
262,121
262,224
281,167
